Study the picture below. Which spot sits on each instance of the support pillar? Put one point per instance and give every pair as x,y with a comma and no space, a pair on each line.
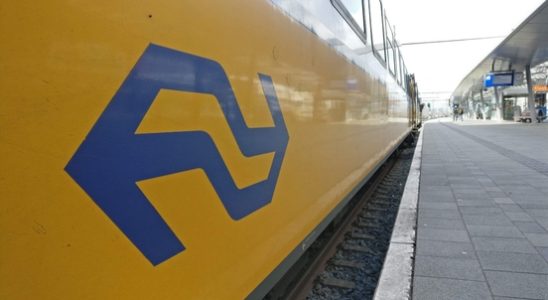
497,103
530,94
481,105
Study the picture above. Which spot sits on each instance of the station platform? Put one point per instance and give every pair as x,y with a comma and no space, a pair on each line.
482,224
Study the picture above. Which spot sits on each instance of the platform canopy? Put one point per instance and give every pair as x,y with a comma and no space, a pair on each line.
526,45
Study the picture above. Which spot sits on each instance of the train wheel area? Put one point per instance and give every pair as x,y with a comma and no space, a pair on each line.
346,260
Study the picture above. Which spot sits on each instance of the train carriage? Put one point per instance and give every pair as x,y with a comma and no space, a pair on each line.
186,149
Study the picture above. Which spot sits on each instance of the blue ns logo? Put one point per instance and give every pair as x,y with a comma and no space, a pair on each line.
113,157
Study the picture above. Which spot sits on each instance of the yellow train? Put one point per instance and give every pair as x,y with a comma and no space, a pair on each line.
185,149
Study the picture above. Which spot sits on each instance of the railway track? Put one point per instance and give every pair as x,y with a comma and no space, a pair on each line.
346,260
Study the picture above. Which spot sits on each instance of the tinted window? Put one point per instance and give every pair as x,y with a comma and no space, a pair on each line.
377,31
353,13
391,58
397,61
402,70
355,8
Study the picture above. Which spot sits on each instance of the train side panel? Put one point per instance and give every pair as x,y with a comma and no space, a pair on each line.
67,63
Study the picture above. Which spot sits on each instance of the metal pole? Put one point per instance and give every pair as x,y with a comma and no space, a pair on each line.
451,40
470,108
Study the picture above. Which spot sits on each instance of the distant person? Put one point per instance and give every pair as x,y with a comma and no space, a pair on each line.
461,114
479,115
455,113
540,114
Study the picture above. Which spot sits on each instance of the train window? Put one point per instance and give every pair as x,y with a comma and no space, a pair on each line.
355,8
377,28
391,55
390,48
353,12
398,62
402,73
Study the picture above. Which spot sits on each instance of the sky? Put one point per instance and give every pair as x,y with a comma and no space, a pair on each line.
439,68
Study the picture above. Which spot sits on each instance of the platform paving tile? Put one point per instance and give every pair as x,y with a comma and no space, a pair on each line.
544,252
495,220
525,198
519,285
481,210
538,239
436,180
529,227
494,231
533,205
445,249
474,197
462,182
511,208
440,223
434,176
538,183
448,267
427,288
523,192
503,244
452,171
493,188
434,189
508,298
436,199
461,187
488,184
438,205
498,194
432,169
543,222
439,213
540,213
477,203
512,262
518,216
538,199
450,235
504,200
519,190
472,194
437,192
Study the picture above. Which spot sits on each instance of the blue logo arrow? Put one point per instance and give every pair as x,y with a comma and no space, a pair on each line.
113,157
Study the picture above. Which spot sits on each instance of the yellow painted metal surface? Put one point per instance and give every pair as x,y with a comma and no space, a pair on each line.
61,63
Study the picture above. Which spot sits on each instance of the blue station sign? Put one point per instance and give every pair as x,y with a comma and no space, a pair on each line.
499,79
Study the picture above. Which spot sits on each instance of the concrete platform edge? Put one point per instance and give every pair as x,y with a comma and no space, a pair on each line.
397,272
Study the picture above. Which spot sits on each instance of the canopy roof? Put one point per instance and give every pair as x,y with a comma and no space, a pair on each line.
526,45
